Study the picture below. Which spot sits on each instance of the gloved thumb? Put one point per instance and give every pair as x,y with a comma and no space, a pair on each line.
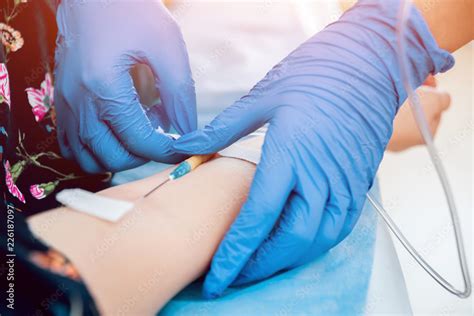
236,121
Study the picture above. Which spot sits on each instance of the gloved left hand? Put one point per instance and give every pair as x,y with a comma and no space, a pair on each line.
330,105
101,122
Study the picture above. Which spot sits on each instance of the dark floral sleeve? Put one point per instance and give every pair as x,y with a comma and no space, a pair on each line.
32,170
32,167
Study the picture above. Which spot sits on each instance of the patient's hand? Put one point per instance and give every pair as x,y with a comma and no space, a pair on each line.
405,130
56,263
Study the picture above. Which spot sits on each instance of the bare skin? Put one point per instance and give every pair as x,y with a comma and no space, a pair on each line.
405,130
450,21
135,266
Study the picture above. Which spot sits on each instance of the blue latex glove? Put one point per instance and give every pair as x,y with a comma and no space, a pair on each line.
330,106
101,122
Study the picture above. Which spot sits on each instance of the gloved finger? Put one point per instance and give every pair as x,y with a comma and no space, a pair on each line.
178,95
107,148
82,155
119,107
63,142
170,65
296,228
269,192
158,117
234,122
351,219
292,237
332,223
62,122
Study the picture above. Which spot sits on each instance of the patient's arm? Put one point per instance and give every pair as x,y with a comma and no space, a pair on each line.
136,265
449,21
406,133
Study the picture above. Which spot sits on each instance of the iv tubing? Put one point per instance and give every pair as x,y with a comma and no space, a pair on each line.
406,6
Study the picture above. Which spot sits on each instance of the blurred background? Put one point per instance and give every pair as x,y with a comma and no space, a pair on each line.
412,193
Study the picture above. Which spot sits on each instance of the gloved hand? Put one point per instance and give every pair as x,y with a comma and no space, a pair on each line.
330,106
101,122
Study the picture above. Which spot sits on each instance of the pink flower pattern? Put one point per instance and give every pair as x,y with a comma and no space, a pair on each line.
41,100
4,84
10,184
37,192
42,190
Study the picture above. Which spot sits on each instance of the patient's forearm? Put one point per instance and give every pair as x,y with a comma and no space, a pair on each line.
450,21
135,266
198,209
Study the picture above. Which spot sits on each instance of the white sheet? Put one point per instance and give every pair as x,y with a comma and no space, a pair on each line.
387,290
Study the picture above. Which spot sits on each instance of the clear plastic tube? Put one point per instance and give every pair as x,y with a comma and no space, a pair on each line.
406,6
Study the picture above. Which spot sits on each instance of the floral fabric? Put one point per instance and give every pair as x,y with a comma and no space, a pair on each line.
4,85
10,182
31,167
32,170
41,100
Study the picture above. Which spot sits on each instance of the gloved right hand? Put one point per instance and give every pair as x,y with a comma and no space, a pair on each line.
101,122
330,106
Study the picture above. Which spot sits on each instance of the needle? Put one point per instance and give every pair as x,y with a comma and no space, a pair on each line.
182,169
156,188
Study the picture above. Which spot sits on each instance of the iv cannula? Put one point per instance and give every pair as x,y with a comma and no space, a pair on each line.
182,169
